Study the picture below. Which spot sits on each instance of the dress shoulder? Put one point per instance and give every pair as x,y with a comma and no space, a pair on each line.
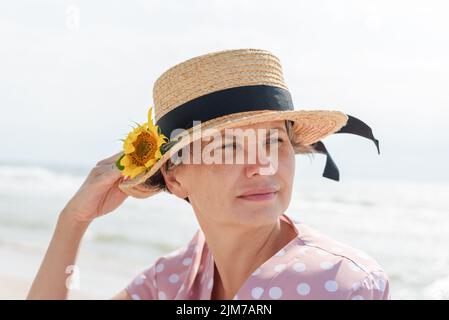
316,266
326,245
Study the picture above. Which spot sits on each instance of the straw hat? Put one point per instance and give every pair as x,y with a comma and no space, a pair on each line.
232,88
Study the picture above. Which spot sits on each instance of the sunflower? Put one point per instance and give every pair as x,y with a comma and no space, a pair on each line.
142,148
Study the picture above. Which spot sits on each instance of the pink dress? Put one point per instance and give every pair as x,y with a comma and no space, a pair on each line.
311,266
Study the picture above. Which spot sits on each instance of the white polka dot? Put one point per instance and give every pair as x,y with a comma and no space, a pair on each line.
256,293
275,292
187,261
326,265
331,286
162,295
210,283
135,297
280,253
257,271
303,289
173,278
160,267
380,284
356,286
279,267
358,297
140,279
299,267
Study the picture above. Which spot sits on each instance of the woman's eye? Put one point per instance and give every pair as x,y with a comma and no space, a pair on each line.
274,140
226,146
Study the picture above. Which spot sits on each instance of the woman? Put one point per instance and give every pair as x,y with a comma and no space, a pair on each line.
246,247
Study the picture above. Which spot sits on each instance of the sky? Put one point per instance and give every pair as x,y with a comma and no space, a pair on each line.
76,74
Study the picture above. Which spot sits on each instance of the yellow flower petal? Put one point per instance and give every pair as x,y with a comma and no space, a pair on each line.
158,154
127,171
126,161
150,119
152,128
150,124
136,132
136,171
150,163
128,147
162,139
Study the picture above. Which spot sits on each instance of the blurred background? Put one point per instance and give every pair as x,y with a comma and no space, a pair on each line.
76,74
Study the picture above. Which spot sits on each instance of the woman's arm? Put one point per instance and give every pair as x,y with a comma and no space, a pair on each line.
51,279
97,196
122,295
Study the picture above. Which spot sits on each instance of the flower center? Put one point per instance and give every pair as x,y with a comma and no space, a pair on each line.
145,148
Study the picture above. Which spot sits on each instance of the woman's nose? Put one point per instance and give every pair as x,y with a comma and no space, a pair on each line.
260,162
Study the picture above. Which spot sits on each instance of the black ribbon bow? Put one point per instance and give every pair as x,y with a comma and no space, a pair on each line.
353,126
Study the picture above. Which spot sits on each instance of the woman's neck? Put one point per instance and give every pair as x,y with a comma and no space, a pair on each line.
238,252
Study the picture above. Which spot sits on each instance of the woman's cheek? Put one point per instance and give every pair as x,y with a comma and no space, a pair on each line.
287,166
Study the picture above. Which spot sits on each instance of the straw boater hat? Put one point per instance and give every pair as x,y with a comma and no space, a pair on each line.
225,89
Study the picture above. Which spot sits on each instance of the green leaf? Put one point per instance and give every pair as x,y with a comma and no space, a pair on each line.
137,123
166,146
117,163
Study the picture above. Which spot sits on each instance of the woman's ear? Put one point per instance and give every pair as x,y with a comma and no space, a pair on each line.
171,181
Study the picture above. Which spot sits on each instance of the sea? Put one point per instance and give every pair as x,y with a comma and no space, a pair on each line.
403,224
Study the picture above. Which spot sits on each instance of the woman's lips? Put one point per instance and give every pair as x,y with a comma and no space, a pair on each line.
260,196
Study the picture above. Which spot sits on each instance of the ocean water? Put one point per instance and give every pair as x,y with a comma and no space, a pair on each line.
404,225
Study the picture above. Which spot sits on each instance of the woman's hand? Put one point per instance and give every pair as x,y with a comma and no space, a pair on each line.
99,194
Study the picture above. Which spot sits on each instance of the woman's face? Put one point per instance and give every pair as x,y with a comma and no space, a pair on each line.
216,190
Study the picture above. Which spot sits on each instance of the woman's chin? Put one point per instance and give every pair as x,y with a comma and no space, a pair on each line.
252,214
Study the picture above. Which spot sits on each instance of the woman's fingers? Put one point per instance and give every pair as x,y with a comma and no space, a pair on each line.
108,170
